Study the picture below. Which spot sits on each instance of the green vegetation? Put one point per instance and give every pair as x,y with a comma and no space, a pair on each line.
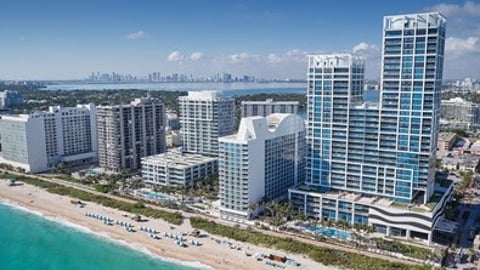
407,250
134,208
70,98
466,181
326,256
69,178
207,187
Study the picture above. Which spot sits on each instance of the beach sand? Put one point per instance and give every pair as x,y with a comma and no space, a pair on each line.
210,253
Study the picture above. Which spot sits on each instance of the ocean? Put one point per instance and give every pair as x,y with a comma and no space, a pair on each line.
30,241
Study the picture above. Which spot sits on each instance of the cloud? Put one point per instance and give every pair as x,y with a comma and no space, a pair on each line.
363,47
136,35
243,57
456,46
195,56
462,19
175,56
274,58
451,10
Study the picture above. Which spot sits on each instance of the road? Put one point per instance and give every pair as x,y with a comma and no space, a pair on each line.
217,220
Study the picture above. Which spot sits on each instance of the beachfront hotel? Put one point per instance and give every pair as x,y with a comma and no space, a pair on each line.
374,163
204,117
126,133
264,108
38,141
175,168
260,163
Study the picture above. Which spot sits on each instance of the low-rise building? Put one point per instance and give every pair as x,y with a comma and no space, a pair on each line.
446,141
174,168
173,138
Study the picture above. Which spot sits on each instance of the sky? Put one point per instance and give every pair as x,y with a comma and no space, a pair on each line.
57,39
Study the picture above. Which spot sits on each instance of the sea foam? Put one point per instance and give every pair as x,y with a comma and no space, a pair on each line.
104,236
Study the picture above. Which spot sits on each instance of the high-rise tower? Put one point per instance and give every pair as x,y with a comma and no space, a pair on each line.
205,116
365,158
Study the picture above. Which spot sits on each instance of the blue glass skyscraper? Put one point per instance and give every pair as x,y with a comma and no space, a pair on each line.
362,155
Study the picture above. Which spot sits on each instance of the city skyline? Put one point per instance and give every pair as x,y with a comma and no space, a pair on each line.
57,40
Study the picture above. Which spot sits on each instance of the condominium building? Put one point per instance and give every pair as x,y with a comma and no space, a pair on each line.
446,140
174,168
260,163
264,108
38,141
364,159
204,117
9,99
128,132
457,110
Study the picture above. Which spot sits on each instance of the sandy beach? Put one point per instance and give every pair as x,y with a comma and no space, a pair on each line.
210,254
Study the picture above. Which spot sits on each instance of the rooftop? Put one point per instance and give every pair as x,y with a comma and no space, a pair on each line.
177,159
447,136
270,101
440,189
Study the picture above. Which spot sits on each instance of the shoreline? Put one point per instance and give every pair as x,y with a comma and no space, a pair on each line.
103,236
210,255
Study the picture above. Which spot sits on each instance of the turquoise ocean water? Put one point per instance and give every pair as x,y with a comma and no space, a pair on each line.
29,241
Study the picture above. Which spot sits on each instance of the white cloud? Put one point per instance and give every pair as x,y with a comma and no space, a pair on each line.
362,46
274,58
451,10
136,35
457,46
243,58
195,56
175,56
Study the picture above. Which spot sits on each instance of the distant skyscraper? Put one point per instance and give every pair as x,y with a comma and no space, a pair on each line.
264,108
204,117
260,163
10,99
39,141
126,133
380,153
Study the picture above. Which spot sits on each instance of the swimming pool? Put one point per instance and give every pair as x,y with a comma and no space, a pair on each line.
330,232
154,195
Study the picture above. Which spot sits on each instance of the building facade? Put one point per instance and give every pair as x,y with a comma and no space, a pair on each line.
10,99
264,108
386,150
174,168
126,133
457,110
446,140
204,117
260,163
39,141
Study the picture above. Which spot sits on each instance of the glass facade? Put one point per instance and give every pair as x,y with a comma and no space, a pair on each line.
386,149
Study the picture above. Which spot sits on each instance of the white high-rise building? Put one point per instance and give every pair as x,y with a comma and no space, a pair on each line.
264,108
260,163
39,141
126,133
205,116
